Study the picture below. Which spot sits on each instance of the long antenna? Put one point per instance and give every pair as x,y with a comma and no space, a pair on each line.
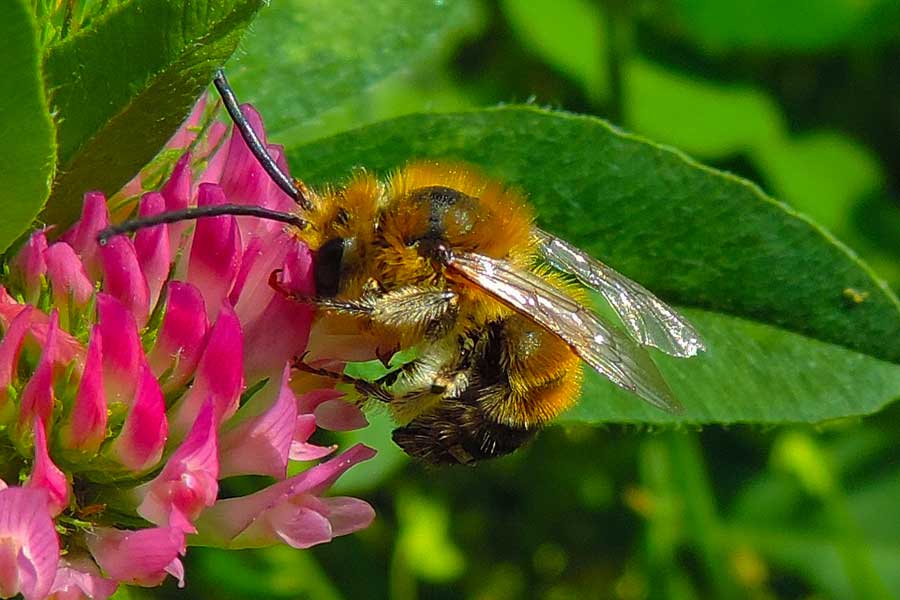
199,212
259,151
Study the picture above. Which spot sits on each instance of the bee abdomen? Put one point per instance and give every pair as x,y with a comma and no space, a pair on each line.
541,378
537,404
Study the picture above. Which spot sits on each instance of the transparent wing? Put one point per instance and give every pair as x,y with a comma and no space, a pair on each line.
649,320
609,351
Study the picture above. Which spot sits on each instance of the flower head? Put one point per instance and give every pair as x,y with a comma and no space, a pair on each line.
136,376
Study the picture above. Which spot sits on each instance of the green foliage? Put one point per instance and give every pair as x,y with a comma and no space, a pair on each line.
27,150
704,118
306,64
121,87
698,237
423,544
544,24
716,120
387,462
280,572
59,20
795,515
712,120
799,329
779,25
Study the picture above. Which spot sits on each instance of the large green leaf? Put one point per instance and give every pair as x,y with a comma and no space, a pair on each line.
753,373
305,60
715,120
122,86
773,287
27,151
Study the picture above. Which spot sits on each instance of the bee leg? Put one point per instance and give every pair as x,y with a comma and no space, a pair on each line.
279,288
368,389
420,387
391,377
359,307
429,312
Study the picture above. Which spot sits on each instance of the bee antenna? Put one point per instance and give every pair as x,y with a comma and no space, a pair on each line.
281,179
198,212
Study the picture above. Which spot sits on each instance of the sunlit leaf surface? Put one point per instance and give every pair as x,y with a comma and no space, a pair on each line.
121,87
26,131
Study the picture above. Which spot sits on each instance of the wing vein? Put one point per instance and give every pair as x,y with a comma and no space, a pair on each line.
609,351
646,318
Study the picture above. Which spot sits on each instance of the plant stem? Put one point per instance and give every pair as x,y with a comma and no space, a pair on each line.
662,533
851,546
618,49
402,582
700,514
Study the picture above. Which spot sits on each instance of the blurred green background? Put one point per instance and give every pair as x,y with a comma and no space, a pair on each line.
799,96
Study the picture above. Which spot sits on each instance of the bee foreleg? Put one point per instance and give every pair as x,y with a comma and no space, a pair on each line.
358,307
429,312
413,312
426,312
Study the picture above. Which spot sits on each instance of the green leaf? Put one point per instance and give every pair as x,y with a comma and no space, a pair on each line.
123,592
781,25
305,60
753,373
695,236
122,86
713,120
569,35
371,474
703,117
27,151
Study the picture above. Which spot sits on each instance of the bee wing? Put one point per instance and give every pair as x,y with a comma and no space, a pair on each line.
649,320
613,354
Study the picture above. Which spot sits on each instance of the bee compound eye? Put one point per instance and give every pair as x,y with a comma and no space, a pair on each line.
329,260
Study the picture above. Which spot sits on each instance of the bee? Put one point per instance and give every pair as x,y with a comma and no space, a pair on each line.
442,259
